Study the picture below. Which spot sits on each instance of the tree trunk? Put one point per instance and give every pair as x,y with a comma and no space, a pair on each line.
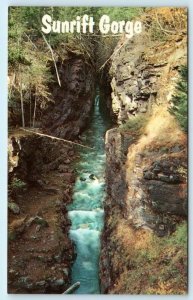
11,84
34,115
30,120
21,99
72,288
56,138
55,65
22,108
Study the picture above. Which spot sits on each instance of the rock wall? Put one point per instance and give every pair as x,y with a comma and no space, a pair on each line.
139,73
114,205
150,197
146,169
73,101
40,253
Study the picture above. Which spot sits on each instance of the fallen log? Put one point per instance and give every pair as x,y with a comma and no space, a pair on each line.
72,288
55,138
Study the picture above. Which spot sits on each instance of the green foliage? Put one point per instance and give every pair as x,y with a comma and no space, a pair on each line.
16,30
180,100
24,24
30,60
179,237
29,65
16,185
135,125
120,13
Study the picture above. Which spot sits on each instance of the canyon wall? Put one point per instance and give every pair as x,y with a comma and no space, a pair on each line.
146,173
41,178
73,100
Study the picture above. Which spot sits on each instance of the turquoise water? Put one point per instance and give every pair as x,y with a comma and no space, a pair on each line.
86,212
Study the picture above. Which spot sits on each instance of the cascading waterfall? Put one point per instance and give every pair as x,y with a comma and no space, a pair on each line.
86,211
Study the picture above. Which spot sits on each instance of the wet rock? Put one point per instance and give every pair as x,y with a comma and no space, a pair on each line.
59,282
92,176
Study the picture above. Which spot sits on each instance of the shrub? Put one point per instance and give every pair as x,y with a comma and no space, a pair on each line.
16,186
135,125
180,100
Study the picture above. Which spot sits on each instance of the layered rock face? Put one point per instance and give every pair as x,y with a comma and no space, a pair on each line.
146,174
140,71
150,196
40,253
152,188
69,115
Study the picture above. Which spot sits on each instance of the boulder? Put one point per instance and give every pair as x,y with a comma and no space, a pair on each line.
92,176
82,179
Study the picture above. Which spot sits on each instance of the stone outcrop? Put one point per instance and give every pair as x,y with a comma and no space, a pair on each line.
40,253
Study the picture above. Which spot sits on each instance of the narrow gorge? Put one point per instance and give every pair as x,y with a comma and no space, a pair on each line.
97,193
86,211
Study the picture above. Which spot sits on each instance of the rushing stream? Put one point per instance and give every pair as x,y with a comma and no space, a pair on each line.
86,211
